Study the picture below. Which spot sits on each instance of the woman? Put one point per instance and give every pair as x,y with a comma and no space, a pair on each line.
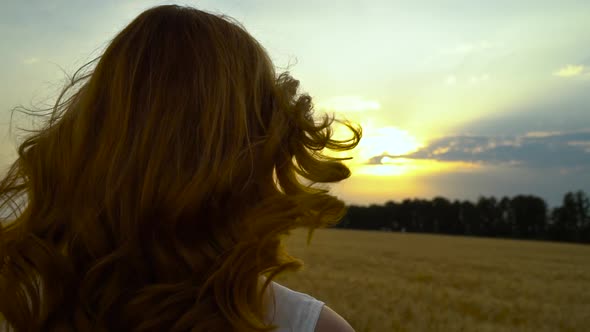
161,186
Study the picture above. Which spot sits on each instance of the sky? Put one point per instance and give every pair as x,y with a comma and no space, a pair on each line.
459,99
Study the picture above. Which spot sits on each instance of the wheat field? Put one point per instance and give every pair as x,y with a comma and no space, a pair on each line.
381,281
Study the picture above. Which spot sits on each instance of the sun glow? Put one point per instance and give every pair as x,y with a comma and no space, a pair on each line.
380,140
406,167
383,151
389,141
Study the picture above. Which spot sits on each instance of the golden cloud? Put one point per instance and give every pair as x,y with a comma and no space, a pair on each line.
570,71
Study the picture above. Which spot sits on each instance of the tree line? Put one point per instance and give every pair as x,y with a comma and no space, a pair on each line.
519,217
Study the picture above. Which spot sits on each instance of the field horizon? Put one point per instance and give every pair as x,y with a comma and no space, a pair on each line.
389,281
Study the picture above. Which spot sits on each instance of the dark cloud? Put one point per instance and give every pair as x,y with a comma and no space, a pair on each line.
564,109
539,150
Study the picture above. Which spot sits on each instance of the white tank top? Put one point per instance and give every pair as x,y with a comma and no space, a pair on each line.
293,311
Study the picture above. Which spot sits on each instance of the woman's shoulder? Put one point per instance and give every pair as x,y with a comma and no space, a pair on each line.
298,311
330,321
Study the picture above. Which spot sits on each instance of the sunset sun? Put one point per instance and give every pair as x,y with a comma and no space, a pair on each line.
387,141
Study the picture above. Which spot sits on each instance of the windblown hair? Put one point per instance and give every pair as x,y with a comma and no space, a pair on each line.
160,188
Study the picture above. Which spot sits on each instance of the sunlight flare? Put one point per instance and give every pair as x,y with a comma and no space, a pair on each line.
393,167
387,140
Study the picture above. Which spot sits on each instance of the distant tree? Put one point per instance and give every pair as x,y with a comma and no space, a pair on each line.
583,216
345,221
458,225
489,216
407,216
391,209
353,218
530,216
424,215
443,214
469,218
571,221
523,216
559,229
566,219
376,217
507,225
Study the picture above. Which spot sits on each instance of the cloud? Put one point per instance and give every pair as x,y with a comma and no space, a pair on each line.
564,150
472,80
564,109
541,133
451,80
571,71
348,104
468,56
476,79
583,144
469,48
30,61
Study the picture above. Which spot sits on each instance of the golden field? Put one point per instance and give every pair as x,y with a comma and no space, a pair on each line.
381,281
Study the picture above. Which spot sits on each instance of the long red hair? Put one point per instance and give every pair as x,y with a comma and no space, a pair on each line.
158,191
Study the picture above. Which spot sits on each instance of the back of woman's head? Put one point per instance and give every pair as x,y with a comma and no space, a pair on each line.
161,185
